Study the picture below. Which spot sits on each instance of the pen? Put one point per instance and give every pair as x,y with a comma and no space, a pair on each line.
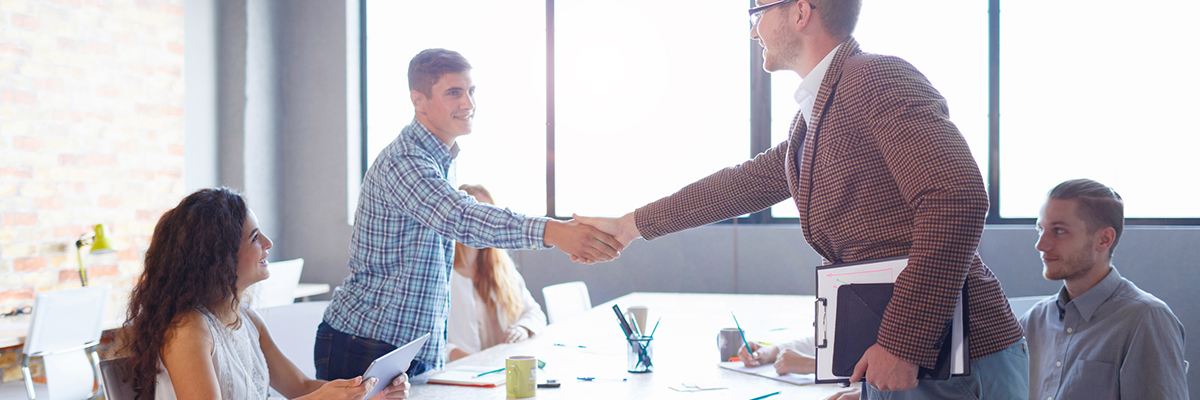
765,396
624,324
563,345
489,372
655,327
591,378
740,332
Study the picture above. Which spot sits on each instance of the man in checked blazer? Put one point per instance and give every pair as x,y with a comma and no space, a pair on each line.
877,169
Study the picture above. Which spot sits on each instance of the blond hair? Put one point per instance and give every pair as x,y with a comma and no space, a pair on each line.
495,278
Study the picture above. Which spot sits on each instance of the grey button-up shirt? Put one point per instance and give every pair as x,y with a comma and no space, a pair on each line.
1114,341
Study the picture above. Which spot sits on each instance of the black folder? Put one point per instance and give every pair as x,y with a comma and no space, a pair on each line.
860,309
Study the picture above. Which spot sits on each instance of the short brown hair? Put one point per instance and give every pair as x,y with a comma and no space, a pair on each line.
1099,206
839,16
430,64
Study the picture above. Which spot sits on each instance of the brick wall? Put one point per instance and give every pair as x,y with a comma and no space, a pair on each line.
91,131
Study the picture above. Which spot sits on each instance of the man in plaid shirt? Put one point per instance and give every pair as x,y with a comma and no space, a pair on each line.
409,217
877,170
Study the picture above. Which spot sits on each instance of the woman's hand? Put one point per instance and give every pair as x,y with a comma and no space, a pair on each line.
760,352
397,390
343,389
791,362
517,334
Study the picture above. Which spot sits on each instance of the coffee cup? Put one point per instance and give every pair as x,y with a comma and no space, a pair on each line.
729,341
637,314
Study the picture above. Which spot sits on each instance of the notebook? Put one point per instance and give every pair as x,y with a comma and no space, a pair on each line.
466,376
767,370
851,299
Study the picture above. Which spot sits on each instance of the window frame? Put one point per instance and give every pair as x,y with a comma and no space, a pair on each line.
760,123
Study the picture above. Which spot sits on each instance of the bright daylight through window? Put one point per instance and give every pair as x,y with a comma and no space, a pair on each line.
505,41
1087,92
646,103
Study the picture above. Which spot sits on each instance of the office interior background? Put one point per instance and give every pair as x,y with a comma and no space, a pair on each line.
112,111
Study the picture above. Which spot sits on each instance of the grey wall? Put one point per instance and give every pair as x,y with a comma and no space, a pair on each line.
305,129
273,111
317,141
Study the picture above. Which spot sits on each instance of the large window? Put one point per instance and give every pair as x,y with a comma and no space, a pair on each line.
649,97
1112,96
505,41
641,98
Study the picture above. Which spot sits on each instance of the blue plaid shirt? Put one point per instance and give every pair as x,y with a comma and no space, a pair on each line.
409,216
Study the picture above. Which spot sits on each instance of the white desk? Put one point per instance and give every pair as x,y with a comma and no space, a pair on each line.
685,350
14,329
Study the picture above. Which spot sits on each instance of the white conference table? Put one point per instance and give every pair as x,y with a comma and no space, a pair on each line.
684,351
14,329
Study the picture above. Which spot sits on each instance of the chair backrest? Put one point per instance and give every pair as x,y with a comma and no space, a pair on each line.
566,300
279,288
65,319
293,327
1021,305
116,385
64,324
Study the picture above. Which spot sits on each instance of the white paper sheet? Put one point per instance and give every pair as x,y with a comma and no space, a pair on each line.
768,371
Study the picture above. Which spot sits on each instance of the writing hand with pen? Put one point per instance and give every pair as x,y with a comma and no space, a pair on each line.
786,360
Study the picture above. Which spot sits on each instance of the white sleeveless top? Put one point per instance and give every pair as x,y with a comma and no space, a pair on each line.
237,357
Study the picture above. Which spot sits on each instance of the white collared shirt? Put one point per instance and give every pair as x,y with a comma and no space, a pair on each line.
806,94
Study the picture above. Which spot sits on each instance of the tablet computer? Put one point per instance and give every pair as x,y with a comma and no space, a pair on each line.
389,366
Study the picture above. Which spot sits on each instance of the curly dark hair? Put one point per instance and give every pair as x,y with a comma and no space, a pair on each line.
191,263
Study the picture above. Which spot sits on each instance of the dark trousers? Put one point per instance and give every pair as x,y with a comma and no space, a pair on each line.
338,355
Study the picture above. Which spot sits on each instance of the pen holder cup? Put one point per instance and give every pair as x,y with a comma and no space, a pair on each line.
641,353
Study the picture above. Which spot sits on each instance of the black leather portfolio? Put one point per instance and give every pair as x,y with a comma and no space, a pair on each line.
860,309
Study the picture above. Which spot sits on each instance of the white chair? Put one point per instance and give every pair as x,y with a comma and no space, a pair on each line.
64,331
566,300
278,289
293,327
1021,305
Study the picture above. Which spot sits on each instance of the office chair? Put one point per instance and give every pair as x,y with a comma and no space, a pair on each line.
566,300
1021,305
279,288
116,386
64,331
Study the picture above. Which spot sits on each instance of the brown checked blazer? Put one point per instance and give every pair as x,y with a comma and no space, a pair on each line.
881,172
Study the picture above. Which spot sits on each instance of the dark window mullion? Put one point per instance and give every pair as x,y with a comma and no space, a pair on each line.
760,116
550,212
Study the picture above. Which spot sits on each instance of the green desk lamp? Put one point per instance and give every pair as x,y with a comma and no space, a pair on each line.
100,245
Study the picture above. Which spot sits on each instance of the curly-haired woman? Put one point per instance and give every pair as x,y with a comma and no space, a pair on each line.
189,336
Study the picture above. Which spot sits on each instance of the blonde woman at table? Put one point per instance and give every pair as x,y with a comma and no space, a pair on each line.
794,357
188,335
489,303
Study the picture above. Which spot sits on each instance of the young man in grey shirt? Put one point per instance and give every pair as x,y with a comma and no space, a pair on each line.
1100,337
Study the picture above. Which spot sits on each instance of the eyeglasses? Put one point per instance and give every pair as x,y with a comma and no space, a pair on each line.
756,13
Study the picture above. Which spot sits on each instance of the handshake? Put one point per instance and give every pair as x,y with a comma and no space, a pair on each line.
590,240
